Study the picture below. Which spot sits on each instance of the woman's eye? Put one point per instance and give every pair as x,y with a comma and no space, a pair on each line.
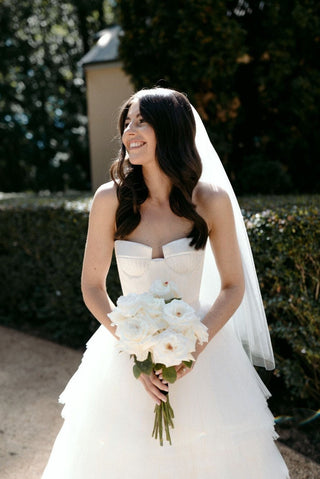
138,121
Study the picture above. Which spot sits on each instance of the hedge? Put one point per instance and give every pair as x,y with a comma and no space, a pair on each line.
41,247
285,238
42,241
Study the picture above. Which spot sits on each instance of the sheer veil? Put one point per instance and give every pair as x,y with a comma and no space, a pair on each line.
249,321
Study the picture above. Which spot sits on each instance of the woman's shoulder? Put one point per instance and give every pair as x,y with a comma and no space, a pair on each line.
212,202
207,194
106,196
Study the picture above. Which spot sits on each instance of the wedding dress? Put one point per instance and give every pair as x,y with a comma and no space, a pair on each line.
223,428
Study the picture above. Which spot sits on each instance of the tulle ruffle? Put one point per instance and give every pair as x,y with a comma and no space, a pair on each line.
223,427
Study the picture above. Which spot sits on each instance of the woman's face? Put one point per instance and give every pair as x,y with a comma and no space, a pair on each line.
139,137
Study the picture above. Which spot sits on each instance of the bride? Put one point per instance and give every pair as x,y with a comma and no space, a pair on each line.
170,214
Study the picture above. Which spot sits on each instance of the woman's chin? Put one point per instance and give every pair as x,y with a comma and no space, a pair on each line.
135,161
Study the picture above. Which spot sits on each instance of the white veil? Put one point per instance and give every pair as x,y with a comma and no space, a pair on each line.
249,321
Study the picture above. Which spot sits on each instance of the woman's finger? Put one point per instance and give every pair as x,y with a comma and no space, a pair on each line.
153,387
158,383
182,370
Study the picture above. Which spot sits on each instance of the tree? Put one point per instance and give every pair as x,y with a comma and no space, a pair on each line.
192,46
252,70
279,89
42,93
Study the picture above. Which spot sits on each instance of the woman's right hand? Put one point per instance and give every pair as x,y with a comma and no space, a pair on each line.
153,385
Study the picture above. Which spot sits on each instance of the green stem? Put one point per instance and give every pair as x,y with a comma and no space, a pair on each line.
160,424
163,415
170,408
167,423
155,426
169,415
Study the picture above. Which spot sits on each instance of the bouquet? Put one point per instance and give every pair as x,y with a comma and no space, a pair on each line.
160,331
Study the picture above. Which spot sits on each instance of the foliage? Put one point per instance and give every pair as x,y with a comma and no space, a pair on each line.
285,243
42,92
251,69
41,246
279,89
192,46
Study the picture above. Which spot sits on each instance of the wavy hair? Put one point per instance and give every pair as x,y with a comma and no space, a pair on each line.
170,115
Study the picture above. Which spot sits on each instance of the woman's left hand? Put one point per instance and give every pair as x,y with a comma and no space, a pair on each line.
183,370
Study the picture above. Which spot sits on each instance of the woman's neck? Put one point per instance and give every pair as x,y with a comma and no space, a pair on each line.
158,184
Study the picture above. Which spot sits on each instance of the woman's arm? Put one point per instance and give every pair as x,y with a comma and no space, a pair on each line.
215,207
98,253
96,264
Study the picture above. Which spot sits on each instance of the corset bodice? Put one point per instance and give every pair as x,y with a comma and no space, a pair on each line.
181,263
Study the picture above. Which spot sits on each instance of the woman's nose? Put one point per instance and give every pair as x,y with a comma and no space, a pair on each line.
130,128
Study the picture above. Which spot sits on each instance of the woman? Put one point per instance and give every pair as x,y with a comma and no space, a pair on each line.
158,215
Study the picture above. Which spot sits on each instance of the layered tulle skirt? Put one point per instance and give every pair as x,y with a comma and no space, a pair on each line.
222,428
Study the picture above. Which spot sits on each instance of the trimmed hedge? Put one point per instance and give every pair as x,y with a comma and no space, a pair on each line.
41,247
42,241
285,238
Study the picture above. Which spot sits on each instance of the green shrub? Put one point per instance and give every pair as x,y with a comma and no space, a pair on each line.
285,239
41,248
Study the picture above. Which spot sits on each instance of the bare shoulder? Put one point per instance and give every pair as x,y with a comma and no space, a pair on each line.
212,203
106,197
206,194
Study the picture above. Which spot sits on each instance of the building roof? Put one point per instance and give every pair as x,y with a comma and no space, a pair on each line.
106,48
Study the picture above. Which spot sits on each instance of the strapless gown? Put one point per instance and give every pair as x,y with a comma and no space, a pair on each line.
223,428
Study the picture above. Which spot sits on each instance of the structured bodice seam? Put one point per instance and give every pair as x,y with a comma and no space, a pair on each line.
147,258
164,248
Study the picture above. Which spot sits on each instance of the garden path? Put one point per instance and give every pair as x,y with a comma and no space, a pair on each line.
33,373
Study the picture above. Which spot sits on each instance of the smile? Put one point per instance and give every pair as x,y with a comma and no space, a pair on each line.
136,144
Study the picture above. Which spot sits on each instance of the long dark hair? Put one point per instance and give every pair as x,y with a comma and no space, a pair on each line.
170,115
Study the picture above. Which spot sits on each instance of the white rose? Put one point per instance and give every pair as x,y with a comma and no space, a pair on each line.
140,350
130,304
201,332
116,316
153,320
171,348
152,306
198,331
135,335
179,315
137,328
164,289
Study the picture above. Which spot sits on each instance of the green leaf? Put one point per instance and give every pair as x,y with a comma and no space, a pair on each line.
136,371
167,301
188,363
145,366
158,366
169,374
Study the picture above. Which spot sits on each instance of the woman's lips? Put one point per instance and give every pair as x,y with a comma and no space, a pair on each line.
134,145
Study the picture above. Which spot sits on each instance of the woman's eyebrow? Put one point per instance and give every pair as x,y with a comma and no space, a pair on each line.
137,115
